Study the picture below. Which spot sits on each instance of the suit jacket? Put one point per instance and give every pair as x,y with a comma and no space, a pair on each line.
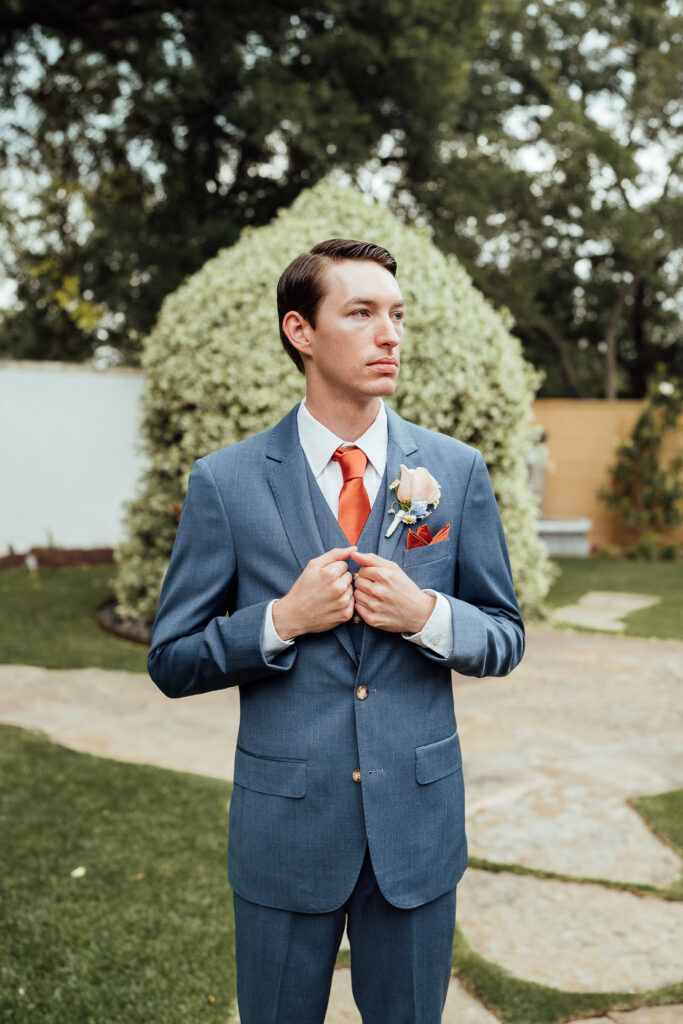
299,822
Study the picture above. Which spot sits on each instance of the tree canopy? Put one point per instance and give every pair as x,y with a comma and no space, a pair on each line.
541,139
143,136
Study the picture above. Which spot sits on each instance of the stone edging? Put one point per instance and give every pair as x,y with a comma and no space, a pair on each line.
128,629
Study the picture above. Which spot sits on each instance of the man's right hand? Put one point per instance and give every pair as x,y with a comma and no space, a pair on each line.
320,599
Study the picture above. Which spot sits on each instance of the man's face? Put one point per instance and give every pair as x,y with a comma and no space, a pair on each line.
355,344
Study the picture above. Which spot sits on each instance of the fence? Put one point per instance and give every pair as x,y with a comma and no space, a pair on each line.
581,438
69,454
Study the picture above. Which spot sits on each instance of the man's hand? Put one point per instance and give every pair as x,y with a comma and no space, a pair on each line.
320,599
388,599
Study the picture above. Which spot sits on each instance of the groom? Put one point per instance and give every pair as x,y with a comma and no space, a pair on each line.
348,803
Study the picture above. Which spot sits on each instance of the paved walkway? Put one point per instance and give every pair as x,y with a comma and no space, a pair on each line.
552,755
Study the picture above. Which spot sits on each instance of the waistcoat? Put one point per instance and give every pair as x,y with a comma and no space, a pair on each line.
333,536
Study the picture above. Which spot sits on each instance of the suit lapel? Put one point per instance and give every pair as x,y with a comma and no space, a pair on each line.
401,445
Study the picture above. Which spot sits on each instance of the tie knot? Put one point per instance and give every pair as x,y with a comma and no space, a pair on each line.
352,462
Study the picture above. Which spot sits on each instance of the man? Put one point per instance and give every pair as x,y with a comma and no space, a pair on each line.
348,803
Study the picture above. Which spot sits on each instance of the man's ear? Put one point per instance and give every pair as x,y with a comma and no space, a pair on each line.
297,329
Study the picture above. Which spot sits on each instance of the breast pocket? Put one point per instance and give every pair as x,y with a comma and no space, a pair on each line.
426,554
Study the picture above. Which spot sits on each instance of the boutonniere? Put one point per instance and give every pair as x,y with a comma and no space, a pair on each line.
417,495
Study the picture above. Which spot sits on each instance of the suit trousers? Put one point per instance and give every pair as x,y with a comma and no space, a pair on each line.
400,959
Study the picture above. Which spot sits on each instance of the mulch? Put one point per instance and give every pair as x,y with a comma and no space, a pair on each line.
60,558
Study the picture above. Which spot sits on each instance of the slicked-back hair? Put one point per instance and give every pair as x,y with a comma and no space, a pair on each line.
301,285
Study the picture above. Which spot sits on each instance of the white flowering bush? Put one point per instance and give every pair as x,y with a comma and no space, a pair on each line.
217,373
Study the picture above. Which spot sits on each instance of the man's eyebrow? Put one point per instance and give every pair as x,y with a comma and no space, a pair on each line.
358,301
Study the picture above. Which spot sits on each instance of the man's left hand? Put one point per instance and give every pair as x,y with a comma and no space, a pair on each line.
386,598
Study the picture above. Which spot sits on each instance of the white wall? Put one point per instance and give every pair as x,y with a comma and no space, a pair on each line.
69,453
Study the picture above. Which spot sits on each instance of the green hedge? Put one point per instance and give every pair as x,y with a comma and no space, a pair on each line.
216,373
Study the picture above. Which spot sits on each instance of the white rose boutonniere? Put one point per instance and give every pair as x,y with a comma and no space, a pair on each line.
417,495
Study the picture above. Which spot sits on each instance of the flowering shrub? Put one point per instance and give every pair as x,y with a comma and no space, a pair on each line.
216,373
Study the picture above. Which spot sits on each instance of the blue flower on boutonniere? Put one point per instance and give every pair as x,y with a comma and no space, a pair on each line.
417,495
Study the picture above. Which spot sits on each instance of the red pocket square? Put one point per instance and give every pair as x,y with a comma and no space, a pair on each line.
423,536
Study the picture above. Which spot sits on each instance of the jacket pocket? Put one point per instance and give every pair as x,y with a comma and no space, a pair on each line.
426,553
268,775
436,760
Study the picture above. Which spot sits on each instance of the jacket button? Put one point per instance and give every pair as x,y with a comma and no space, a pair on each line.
362,692
356,775
356,618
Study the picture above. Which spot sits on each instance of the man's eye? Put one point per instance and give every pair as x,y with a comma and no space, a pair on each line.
360,312
399,315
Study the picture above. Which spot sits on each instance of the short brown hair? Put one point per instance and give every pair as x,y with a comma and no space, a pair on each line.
300,287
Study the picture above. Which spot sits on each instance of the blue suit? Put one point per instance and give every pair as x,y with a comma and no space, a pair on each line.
299,823
246,533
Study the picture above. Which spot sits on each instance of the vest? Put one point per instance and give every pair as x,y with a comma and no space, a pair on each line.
333,536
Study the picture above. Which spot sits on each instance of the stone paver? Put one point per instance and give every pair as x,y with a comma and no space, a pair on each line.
460,1007
553,752
643,1015
649,1015
577,937
603,609
123,715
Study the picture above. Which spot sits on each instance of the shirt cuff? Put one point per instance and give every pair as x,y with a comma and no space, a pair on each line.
271,643
437,632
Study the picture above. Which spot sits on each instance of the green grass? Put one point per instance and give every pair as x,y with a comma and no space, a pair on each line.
664,814
664,580
50,621
146,935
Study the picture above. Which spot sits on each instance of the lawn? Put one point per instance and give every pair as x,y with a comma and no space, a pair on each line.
578,576
49,620
114,902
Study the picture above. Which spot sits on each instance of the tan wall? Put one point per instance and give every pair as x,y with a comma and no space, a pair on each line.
581,439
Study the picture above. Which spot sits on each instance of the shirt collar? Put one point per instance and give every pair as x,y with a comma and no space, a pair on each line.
319,443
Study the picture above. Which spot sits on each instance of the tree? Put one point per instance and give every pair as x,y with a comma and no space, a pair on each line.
646,489
560,189
144,136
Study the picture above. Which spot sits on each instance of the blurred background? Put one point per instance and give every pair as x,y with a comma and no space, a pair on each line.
540,141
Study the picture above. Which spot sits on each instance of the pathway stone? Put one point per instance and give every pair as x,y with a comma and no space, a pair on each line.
603,609
123,715
649,1015
460,1007
571,936
553,752
643,1015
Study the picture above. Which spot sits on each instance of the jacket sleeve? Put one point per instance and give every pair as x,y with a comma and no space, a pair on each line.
488,631
195,647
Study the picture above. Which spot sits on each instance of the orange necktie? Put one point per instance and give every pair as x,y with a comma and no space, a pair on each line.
354,504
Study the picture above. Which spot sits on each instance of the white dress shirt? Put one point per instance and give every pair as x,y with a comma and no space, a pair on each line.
319,444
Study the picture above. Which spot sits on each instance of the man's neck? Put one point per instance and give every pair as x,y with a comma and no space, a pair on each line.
347,421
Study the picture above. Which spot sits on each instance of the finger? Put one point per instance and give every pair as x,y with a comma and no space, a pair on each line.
335,555
371,572
367,558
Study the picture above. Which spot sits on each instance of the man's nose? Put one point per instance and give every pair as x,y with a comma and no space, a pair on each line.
389,332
